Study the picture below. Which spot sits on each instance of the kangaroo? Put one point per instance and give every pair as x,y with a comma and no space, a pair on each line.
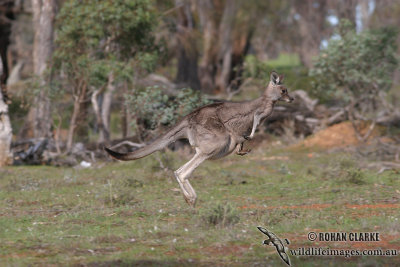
215,131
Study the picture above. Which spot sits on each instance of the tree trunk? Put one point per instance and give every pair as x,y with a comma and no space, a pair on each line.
82,126
72,124
44,12
97,112
224,59
364,10
223,38
106,107
5,127
125,116
125,122
207,66
240,49
186,48
7,14
311,28
102,109
79,99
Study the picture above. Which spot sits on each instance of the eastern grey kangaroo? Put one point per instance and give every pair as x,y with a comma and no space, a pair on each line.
215,131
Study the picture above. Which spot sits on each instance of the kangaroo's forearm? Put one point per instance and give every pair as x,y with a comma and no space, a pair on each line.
256,121
257,118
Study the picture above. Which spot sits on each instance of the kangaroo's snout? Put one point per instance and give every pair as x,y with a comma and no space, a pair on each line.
287,98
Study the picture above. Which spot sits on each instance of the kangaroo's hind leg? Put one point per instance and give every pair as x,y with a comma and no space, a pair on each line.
183,173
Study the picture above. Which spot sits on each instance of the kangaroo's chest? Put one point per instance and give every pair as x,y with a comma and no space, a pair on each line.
239,124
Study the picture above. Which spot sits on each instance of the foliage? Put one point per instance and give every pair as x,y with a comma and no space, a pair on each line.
220,215
95,38
355,64
155,108
355,176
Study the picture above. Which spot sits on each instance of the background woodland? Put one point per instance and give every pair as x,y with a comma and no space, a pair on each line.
77,75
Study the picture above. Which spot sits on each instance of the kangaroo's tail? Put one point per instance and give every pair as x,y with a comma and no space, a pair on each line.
172,135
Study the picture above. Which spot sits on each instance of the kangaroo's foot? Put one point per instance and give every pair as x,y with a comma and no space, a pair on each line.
190,201
184,172
187,190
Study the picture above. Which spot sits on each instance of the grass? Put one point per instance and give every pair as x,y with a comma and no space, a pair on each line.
132,213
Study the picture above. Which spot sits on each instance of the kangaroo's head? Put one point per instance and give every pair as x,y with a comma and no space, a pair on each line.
276,91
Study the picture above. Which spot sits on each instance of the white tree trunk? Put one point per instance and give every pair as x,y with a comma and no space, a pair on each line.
106,107
5,128
364,10
44,12
103,111
97,112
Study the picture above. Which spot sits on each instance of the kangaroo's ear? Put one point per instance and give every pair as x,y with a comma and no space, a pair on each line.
281,77
275,78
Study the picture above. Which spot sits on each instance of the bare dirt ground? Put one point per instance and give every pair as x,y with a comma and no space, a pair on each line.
340,135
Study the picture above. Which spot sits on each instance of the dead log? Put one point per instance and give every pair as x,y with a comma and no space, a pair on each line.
29,151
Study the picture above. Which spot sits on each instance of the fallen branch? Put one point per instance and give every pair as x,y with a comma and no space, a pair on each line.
384,166
336,117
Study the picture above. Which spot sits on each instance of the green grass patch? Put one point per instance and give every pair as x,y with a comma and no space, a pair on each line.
132,213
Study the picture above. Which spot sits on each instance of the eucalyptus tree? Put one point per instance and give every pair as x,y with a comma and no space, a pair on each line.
101,44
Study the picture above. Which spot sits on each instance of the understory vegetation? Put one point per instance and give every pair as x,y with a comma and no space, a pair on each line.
134,214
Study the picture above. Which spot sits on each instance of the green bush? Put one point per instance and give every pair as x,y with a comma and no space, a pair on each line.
354,64
155,108
355,176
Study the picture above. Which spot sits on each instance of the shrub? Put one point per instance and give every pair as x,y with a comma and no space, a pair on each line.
355,176
220,215
355,71
355,65
153,108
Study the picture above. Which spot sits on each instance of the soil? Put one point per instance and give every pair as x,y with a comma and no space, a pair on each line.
339,135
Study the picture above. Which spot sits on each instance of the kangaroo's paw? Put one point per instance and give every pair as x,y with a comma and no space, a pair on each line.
243,152
247,137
